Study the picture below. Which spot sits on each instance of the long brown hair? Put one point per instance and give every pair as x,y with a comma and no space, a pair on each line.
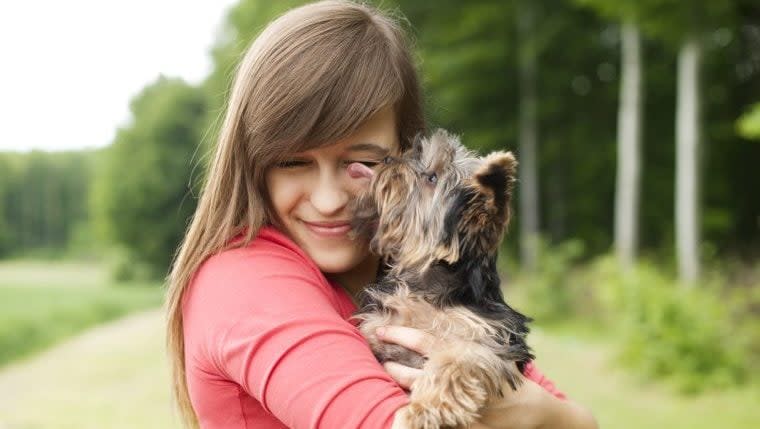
312,77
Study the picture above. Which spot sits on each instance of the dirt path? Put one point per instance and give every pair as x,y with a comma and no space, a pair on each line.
112,376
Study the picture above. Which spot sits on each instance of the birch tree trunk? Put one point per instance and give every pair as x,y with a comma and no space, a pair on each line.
687,147
529,210
627,192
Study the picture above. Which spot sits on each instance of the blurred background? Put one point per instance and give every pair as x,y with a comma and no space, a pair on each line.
636,241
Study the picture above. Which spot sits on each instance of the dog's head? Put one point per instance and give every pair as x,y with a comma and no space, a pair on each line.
438,202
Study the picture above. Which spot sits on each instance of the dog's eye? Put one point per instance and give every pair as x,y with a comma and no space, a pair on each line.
432,178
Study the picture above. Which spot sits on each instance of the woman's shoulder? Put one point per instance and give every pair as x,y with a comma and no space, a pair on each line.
257,273
269,252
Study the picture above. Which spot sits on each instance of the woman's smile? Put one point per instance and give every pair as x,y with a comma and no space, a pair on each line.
330,229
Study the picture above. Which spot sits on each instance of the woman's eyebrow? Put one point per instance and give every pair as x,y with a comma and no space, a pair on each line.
369,147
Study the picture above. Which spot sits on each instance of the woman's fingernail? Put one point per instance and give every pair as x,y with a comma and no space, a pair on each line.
380,332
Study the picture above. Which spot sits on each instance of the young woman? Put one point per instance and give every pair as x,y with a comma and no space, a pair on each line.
264,283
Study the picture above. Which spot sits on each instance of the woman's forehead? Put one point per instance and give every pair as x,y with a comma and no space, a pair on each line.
378,134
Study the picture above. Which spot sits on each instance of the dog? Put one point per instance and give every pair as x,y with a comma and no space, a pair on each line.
437,215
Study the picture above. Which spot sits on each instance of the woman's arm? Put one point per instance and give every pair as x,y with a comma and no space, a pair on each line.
532,406
266,322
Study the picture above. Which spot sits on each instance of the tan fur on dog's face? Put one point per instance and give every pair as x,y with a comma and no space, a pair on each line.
435,198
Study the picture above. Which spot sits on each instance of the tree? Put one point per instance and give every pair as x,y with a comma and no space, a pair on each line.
141,196
680,25
629,127
688,134
528,135
627,190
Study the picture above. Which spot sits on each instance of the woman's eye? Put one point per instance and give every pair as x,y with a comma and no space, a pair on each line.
292,163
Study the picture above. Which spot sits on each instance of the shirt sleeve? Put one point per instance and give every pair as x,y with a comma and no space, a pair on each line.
273,328
531,372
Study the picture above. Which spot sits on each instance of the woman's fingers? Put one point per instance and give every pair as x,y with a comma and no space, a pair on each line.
404,375
411,338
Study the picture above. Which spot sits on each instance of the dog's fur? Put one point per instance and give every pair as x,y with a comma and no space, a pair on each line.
437,214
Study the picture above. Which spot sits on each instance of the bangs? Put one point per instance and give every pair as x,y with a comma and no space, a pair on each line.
324,87
354,81
362,86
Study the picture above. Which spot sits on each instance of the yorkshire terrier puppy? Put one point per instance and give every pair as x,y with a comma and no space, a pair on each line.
437,215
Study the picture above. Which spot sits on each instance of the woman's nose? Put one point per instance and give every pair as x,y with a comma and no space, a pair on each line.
329,195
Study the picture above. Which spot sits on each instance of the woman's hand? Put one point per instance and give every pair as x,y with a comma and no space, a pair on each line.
411,338
530,406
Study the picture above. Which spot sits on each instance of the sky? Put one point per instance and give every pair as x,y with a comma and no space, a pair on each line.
68,69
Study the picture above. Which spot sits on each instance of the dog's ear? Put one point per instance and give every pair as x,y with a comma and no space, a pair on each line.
496,176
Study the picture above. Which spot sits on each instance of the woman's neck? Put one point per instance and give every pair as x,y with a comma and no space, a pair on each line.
356,279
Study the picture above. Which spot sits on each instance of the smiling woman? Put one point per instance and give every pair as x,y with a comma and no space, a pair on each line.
310,192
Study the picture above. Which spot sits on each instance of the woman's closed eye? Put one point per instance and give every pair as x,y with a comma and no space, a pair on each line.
293,163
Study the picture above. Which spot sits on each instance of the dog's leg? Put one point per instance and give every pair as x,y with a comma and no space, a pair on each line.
457,382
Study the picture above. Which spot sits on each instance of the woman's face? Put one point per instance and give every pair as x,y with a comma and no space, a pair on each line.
310,192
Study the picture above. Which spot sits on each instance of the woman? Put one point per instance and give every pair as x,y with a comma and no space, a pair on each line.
265,280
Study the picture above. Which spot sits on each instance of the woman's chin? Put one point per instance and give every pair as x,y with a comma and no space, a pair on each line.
338,261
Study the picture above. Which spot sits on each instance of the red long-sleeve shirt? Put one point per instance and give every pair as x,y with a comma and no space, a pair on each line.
268,345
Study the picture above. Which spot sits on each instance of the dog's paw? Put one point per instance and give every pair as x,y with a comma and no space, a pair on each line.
424,416
417,415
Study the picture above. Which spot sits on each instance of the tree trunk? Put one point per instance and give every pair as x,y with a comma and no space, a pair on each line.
629,148
529,210
687,147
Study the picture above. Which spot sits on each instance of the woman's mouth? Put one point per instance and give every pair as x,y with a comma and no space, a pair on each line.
329,229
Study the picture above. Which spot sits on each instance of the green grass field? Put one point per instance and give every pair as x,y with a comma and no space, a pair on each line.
43,302
584,368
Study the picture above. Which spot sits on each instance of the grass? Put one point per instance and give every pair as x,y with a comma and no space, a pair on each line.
42,303
621,400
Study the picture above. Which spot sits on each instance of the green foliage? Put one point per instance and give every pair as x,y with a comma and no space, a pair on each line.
666,330
42,197
141,196
694,339
670,21
749,124
469,57
547,294
125,269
